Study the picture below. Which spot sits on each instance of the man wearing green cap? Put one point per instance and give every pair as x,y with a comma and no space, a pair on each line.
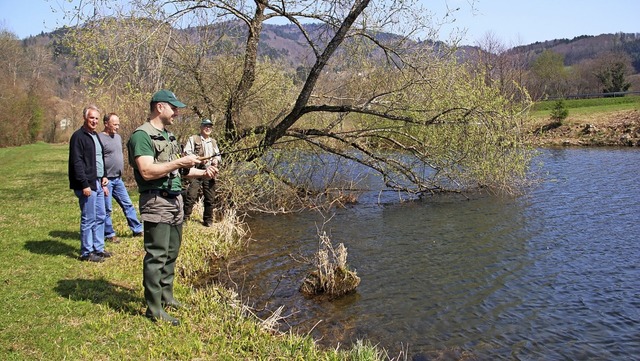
202,145
154,154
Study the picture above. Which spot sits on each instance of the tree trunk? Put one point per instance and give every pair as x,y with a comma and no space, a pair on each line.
237,98
298,110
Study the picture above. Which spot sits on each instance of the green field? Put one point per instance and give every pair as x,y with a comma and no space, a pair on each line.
55,307
588,106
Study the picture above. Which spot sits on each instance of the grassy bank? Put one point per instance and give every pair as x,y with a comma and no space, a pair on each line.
587,107
55,307
590,122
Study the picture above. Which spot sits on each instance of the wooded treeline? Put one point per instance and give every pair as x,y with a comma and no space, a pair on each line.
40,82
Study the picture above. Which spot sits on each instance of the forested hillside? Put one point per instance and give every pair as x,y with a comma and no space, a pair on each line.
587,47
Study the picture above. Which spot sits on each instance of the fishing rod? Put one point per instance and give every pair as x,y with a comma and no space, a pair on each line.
202,159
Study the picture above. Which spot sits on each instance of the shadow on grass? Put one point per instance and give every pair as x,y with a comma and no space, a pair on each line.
51,247
101,291
65,235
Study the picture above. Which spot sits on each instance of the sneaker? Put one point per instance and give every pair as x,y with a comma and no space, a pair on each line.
104,254
138,234
92,257
113,239
208,223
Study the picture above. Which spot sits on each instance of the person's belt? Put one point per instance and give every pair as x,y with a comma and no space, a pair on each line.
162,193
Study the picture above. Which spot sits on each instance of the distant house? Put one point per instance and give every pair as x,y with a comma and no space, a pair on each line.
65,123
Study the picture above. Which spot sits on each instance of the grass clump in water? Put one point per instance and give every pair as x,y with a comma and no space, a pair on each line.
331,276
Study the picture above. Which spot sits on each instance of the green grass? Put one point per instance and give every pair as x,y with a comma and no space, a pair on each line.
588,106
629,100
55,307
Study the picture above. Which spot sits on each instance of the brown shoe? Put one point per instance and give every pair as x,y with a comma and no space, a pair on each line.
113,239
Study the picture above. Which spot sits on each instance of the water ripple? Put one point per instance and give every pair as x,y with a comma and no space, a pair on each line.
552,275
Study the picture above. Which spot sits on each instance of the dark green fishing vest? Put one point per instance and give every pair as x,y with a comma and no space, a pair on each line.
165,150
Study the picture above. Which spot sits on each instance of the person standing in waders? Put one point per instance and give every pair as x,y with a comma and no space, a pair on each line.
202,145
155,155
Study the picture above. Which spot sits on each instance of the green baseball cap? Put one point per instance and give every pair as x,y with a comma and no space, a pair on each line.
168,97
206,122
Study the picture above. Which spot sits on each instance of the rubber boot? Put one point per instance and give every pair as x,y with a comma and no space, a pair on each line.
156,244
168,300
155,312
168,274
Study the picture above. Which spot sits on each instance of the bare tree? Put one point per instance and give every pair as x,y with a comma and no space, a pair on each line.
611,69
372,93
25,91
499,65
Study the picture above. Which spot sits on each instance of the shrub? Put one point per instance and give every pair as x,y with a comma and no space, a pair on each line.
559,111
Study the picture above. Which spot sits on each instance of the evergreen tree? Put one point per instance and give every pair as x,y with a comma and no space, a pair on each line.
559,111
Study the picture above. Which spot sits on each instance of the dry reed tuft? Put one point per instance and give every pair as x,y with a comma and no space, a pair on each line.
331,276
203,246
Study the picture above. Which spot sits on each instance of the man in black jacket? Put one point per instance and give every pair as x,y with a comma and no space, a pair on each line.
88,181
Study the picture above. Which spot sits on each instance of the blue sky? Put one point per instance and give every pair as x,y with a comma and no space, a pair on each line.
511,21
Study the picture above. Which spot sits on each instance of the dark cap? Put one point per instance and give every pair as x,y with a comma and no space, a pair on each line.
168,97
206,122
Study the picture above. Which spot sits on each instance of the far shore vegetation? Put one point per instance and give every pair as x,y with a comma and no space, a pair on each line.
589,106
611,121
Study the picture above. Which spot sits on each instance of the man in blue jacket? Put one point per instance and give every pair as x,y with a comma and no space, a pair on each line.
88,181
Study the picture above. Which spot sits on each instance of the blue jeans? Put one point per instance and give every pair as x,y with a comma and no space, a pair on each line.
92,215
118,191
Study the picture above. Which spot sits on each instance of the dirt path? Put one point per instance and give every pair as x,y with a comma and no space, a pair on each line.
621,128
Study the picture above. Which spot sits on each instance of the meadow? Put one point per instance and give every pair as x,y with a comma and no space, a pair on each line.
588,106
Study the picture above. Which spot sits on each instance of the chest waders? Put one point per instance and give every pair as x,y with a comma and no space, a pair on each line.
162,240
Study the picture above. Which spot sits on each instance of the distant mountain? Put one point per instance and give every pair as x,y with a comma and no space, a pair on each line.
286,43
586,47
283,43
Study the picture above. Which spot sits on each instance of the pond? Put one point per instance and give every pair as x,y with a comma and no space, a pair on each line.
550,275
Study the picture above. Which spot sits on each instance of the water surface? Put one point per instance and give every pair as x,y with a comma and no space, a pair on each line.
550,275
